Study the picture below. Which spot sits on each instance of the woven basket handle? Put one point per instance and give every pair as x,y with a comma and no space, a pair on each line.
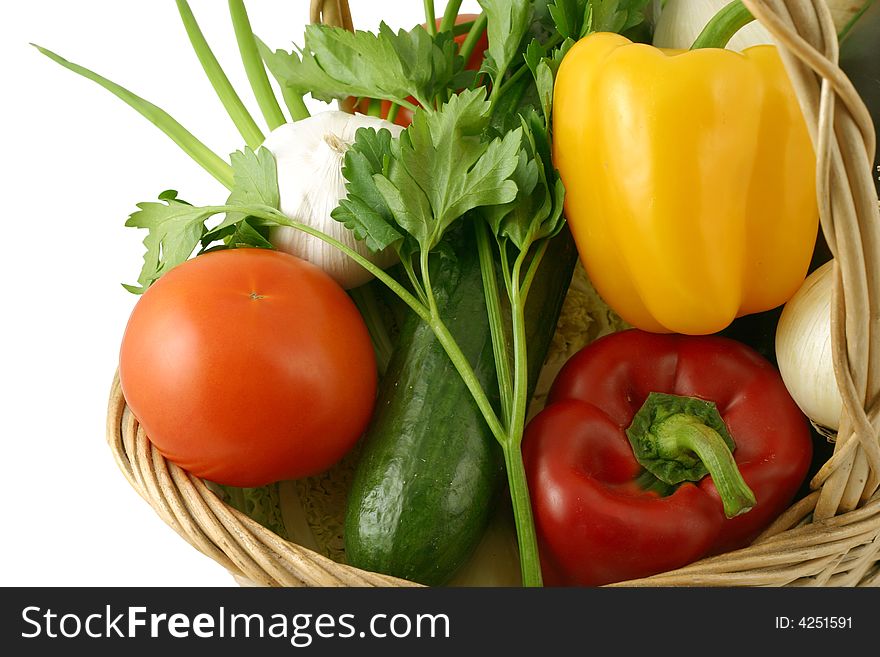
843,136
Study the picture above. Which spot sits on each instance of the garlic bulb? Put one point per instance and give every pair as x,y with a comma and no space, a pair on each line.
681,21
803,349
309,156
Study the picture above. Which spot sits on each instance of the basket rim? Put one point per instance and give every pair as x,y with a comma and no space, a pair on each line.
806,549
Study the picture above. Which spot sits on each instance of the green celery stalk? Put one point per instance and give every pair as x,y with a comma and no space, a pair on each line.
254,66
239,114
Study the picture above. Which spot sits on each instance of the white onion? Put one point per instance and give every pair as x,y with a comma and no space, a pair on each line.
681,21
309,155
803,349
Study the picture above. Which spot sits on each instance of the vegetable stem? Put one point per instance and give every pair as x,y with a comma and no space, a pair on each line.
254,66
684,433
407,265
430,19
426,279
496,319
374,107
462,28
392,112
429,315
509,82
449,15
530,564
723,25
295,104
201,154
242,119
470,41
444,337
520,354
519,492
294,101
532,270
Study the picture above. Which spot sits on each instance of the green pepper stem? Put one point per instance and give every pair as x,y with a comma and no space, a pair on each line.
727,22
682,433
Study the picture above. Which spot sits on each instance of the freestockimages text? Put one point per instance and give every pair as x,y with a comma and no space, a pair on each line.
299,629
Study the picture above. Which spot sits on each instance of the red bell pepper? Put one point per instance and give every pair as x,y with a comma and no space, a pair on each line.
618,473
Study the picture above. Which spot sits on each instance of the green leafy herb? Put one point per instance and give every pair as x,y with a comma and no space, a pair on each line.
365,211
255,177
336,63
236,236
616,15
575,19
572,17
277,63
442,168
176,228
508,21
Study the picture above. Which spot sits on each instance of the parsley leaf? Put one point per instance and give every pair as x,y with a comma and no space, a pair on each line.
536,212
364,211
440,168
508,21
572,17
616,15
336,63
177,228
255,179
575,19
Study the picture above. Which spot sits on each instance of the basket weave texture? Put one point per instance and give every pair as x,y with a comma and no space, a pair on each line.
831,537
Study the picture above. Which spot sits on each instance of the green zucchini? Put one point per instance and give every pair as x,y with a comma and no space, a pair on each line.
430,472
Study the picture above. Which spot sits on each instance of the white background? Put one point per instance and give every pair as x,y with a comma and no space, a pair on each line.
74,162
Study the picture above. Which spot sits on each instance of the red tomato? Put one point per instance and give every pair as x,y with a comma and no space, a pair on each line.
404,116
248,366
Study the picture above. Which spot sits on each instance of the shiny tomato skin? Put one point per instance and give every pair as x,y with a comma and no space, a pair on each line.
248,366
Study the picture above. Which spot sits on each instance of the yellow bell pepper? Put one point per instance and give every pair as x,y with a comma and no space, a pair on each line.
689,178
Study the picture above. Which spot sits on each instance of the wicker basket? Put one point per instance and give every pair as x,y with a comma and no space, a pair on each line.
831,537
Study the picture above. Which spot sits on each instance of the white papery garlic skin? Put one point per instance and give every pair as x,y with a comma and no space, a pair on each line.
309,156
803,349
681,21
